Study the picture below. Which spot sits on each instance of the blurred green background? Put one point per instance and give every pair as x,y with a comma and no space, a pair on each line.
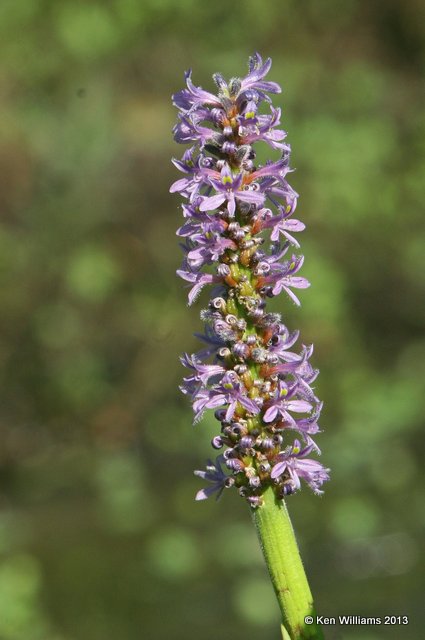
100,538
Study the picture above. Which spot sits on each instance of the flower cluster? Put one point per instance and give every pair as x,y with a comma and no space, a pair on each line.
261,390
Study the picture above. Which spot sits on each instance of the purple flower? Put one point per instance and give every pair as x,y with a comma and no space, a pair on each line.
191,167
192,96
255,78
265,131
236,235
295,465
282,278
199,280
229,392
210,246
281,225
216,476
202,373
282,403
228,188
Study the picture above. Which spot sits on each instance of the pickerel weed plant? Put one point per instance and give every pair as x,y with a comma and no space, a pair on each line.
238,236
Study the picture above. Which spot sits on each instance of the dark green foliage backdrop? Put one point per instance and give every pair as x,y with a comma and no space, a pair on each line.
99,536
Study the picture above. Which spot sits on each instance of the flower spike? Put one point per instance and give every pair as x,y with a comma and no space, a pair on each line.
260,390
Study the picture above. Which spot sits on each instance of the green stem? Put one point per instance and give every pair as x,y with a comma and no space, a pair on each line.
280,550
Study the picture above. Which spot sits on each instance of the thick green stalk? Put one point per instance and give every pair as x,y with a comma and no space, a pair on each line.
280,550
